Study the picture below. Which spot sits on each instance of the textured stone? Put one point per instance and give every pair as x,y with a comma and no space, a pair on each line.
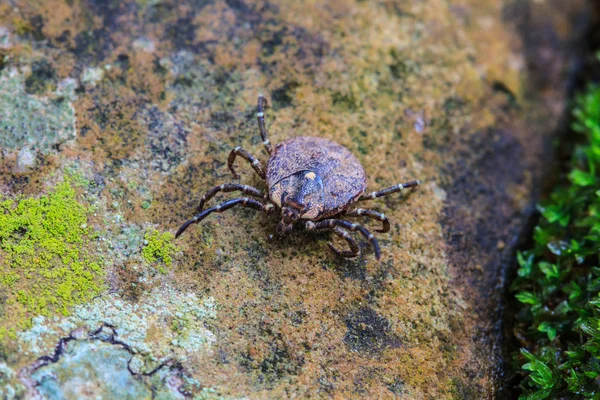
25,160
138,103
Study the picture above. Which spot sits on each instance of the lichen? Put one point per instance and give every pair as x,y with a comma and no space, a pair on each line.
140,325
208,393
104,367
45,266
159,247
100,363
92,76
32,120
9,388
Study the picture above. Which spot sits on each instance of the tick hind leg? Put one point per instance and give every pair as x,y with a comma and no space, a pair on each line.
354,249
330,224
376,215
392,189
243,201
256,164
230,187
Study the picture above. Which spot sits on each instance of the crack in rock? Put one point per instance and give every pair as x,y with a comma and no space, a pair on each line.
107,334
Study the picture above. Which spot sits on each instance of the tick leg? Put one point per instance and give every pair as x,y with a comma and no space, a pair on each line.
230,187
243,201
331,223
260,116
354,249
238,151
392,189
359,212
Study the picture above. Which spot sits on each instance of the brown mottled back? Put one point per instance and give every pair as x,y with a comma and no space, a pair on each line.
343,177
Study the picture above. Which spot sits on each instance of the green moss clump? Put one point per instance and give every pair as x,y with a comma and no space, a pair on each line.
558,282
44,265
159,247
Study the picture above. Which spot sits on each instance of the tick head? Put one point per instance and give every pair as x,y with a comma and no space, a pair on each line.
300,195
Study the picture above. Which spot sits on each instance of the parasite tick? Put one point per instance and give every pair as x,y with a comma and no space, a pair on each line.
313,181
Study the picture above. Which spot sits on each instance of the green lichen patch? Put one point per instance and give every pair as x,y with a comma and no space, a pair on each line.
159,247
45,266
31,120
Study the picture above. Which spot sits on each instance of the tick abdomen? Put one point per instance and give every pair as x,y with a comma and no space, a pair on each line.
343,177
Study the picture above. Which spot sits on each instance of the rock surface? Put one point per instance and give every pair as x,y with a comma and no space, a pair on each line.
116,115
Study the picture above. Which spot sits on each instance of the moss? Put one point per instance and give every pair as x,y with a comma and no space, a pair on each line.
21,26
558,283
159,247
345,101
44,265
76,177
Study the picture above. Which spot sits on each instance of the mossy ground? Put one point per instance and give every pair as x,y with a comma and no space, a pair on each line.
558,284
159,247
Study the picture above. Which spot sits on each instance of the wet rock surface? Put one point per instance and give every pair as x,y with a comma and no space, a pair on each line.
115,117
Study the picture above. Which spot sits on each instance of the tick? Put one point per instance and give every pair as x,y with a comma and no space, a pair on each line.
313,181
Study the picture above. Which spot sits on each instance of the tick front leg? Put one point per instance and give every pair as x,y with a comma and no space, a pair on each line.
243,201
260,116
359,212
230,187
238,151
331,223
392,189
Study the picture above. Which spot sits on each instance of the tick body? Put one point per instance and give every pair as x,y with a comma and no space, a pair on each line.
312,181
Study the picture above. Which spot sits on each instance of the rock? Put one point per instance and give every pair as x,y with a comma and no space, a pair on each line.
25,160
71,377
100,369
124,112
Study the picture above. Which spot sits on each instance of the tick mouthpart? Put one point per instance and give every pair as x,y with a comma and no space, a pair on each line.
289,214
284,228
296,205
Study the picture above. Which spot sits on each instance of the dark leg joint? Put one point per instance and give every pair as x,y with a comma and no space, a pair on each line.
354,249
256,164
359,212
330,223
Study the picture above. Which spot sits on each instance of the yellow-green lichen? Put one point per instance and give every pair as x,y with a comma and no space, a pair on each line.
159,247
45,266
